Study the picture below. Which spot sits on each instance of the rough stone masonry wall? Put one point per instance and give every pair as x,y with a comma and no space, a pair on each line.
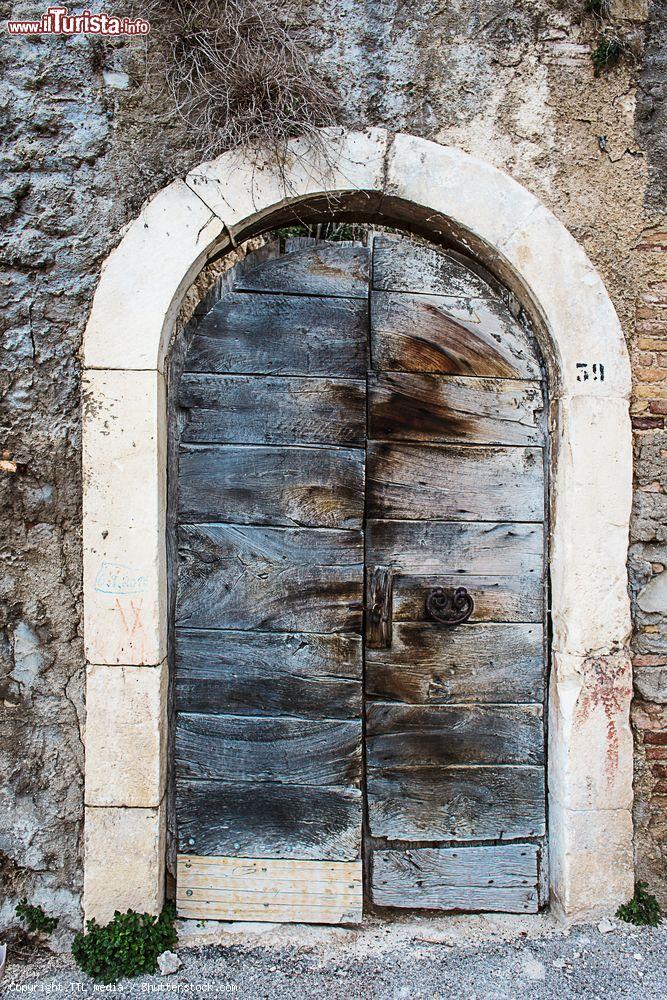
648,531
648,564
509,81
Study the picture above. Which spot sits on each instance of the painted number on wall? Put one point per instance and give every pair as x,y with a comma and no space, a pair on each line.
590,372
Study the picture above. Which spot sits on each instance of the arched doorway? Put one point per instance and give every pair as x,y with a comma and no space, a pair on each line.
463,203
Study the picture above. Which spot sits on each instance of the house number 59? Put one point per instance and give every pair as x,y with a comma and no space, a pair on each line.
590,372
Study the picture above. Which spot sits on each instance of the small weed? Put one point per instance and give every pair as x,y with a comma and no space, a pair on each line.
642,909
35,919
128,945
607,53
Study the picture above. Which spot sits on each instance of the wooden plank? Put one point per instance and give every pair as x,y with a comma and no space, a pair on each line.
496,598
405,406
454,482
287,579
286,751
320,269
222,888
267,820
432,665
401,264
264,673
289,334
309,486
262,409
431,333
457,803
501,878
427,548
417,735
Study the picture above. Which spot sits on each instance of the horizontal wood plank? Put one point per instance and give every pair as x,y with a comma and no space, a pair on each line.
457,803
314,487
429,548
406,406
265,673
435,665
221,888
267,820
286,751
417,735
287,579
265,409
401,264
320,269
430,333
282,334
454,482
500,878
496,598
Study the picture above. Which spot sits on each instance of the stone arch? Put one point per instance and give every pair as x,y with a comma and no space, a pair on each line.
451,198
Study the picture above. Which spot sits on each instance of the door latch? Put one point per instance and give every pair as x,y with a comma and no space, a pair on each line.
378,607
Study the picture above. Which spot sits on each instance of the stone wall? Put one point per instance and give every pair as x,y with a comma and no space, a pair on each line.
648,560
648,551
56,216
84,146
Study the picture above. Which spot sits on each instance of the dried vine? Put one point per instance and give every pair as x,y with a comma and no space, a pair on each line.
237,74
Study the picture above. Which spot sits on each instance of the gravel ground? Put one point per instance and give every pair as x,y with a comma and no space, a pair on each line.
463,957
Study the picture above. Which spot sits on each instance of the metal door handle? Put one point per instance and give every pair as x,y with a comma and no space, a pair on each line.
374,612
449,606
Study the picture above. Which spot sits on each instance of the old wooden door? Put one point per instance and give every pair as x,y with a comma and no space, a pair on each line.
333,457
455,512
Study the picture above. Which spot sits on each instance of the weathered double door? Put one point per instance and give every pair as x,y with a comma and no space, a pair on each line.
359,634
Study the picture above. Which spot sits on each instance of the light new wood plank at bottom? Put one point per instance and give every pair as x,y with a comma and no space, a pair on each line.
267,889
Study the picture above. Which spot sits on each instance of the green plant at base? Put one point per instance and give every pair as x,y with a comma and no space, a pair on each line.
642,909
36,920
607,53
128,945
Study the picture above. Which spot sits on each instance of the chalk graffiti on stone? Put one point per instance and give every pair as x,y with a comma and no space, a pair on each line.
114,578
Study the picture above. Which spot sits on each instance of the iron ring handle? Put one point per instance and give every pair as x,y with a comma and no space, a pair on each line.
449,606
